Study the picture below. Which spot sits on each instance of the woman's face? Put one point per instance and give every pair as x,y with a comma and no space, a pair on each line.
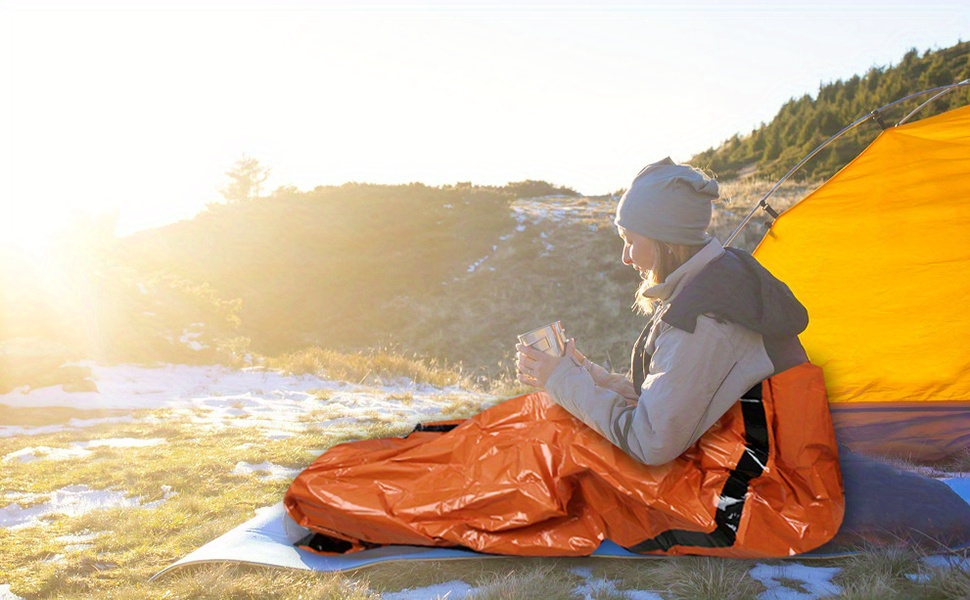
638,251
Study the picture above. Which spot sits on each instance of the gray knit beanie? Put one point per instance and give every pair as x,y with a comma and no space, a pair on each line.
669,203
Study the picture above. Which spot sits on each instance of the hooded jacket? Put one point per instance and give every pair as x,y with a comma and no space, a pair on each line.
722,325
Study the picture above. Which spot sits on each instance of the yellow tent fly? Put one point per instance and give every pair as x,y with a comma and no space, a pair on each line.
880,256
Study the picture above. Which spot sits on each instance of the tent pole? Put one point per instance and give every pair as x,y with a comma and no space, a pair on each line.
763,203
945,90
875,115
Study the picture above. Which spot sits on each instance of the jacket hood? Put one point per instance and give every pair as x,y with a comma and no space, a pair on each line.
735,287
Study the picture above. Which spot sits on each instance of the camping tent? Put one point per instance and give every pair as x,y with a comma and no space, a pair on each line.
880,255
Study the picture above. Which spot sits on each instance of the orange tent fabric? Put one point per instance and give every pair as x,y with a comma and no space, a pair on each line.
527,478
880,256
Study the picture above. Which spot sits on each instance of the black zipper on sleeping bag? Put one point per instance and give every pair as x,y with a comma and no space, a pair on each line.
434,427
731,501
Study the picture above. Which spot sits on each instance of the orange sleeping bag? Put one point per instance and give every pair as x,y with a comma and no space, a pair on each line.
527,478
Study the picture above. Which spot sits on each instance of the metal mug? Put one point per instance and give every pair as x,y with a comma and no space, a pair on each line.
550,339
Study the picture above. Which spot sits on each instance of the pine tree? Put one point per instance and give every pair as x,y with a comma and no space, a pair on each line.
245,180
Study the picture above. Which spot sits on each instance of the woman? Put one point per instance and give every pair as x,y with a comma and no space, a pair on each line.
720,324
755,477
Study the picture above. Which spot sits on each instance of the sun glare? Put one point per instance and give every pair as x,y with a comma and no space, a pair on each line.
36,228
46,273
30,233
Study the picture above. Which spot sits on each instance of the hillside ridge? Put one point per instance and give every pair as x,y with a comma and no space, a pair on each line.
803,123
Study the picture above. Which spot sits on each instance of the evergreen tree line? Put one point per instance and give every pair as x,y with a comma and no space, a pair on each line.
802,124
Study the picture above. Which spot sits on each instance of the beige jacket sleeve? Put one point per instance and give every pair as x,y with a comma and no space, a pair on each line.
620,384
694,379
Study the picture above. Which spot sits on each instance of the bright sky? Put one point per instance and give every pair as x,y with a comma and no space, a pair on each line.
141,107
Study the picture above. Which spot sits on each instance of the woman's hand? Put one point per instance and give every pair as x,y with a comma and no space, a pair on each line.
578,357
536,366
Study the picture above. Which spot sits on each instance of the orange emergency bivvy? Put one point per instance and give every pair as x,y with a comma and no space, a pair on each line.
527,478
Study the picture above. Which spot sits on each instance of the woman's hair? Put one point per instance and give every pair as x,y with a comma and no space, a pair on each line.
668,258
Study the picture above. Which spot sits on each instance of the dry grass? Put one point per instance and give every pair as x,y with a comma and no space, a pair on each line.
944,583
870,586
958,463
887,573
214,582
877,573
536,582
376,367
133,543
551,270
702,578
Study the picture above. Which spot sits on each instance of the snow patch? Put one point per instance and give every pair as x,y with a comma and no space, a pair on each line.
640,595
476,264
216,397
123,443
6,594
605,588
452,589
283,414
584,572
70,501
939,562
28,455
190,338
947,561
136,387
817,581
77,449
266,470
77,538
562,209
12,430
77,542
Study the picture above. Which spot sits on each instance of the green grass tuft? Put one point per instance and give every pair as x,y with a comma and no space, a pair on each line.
870,586
888,564
703,578
542,581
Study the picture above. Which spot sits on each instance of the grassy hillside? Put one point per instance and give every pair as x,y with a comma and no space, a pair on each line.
446,274
317,267
803,123
452,273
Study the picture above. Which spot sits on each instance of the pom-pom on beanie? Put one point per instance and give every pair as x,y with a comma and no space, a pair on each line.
669,203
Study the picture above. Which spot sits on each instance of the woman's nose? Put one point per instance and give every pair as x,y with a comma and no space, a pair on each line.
627,260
